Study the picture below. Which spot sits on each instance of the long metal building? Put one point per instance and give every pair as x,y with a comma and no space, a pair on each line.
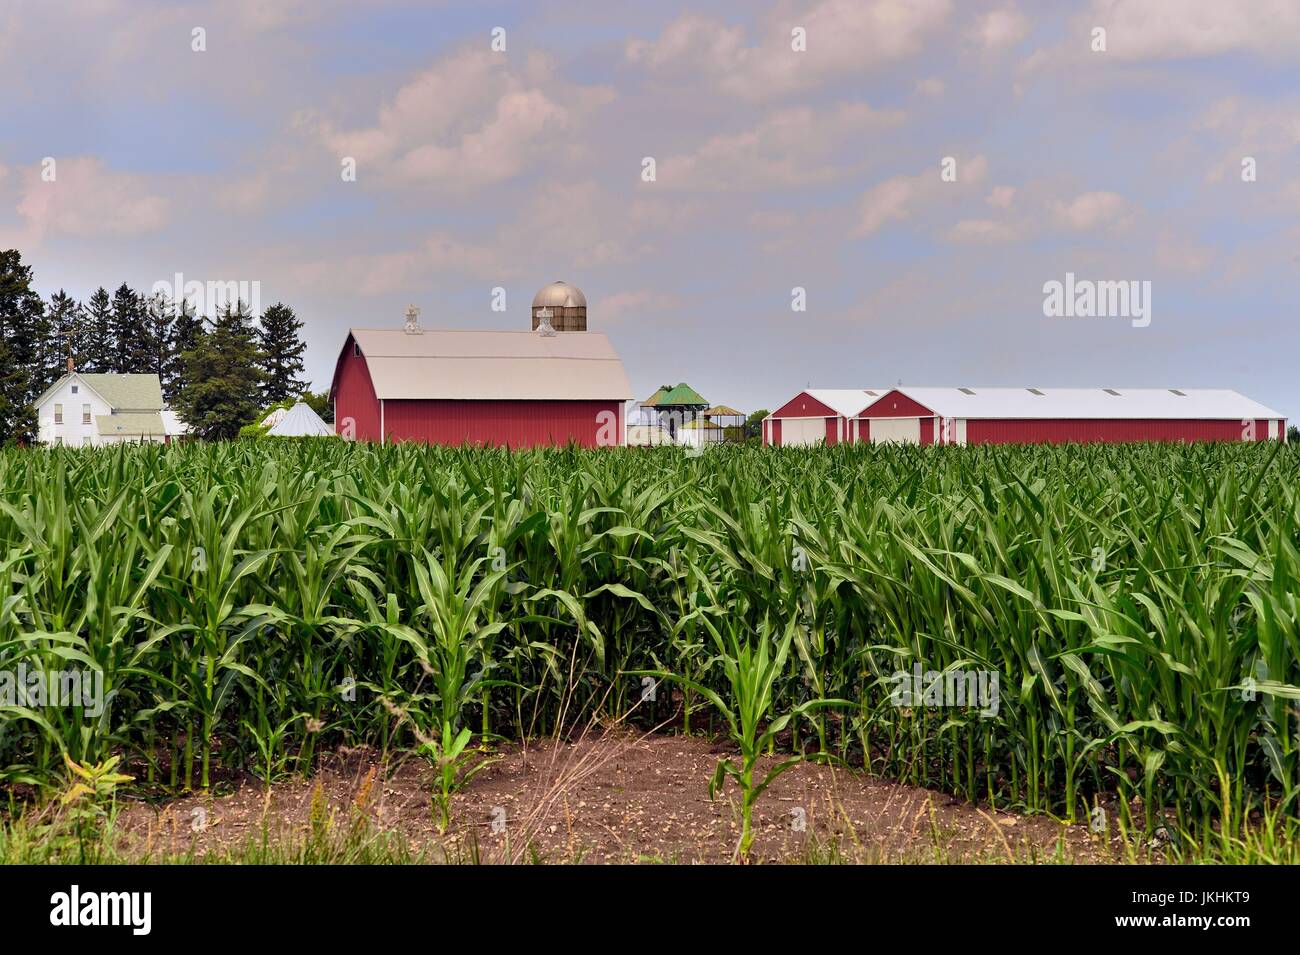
1020,416
515,389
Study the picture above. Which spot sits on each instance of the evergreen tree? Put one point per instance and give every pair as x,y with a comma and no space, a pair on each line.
98,349
163,361
67,328
282,354
222,378
22,317
48,358
187,332
133,351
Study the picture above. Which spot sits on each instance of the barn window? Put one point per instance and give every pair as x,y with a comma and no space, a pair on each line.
1111,391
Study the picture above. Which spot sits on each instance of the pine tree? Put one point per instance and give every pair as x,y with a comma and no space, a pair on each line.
163,360
133,351
98,348
187,332
67,328
48,357
22,317
282,350
223,378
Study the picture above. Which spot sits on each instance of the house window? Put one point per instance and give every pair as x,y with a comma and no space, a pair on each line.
85,414
58,414
74,389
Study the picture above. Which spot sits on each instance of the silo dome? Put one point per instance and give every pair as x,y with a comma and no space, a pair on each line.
567,304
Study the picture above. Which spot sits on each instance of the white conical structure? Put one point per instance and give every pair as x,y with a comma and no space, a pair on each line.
301,422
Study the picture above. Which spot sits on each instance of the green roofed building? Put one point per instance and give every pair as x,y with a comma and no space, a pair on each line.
675,396
672,405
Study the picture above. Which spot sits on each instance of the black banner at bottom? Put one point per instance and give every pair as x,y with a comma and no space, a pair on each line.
139,905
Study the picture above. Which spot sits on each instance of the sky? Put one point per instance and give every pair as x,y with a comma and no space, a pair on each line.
755,197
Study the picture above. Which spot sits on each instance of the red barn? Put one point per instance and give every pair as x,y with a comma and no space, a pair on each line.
1021,416
514,389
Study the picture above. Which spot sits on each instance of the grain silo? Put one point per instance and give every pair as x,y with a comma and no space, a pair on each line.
566,304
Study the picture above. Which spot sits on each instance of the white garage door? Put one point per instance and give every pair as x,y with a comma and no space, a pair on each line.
897,430
802,431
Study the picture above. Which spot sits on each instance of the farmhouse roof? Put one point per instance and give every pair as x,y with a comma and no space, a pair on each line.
474,365
130,425
121,392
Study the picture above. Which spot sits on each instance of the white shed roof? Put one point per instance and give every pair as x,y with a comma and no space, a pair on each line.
846,402
1158,403
439,363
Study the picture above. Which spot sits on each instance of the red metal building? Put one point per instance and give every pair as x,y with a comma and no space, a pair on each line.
513,389
1020,416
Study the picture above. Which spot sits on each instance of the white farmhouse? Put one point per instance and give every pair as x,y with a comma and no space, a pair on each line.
92,410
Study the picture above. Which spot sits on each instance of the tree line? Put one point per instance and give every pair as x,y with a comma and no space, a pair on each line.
216,371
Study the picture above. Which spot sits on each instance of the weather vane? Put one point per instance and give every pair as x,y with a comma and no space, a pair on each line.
413,320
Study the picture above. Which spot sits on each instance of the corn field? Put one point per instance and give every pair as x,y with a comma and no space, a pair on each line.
250,606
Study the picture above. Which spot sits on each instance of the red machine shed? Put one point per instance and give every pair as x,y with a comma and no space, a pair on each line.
1030,416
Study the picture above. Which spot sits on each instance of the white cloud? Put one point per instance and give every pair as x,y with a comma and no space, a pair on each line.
1092,210
1175,29
1001,28
844,37
85,200
466,122
1265,132
897,199
401,269
1001,197
599,228
887,202
1177,252
788,149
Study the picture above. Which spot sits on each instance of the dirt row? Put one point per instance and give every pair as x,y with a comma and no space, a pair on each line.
612,797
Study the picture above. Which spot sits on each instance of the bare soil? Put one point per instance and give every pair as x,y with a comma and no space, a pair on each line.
613,797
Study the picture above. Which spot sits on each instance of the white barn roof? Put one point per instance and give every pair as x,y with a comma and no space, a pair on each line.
1156,403
438,363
